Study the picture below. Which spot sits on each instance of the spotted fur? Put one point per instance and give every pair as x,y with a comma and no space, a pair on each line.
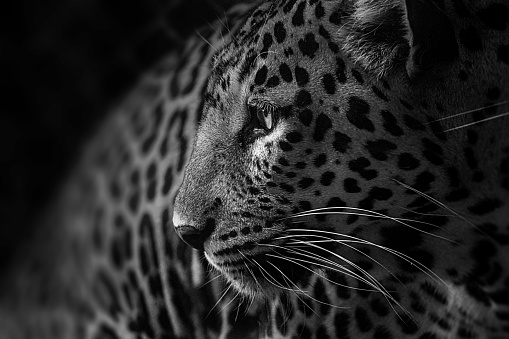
340,167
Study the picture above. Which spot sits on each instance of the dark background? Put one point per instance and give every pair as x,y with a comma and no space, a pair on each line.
62,64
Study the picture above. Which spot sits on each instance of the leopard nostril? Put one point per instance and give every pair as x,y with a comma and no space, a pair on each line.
194,236
191,236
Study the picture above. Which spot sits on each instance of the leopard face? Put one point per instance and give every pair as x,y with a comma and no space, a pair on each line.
332,145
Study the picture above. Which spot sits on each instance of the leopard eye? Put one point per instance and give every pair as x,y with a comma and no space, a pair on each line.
263,117
266,117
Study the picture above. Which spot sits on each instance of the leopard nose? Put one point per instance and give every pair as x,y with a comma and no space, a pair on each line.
192,235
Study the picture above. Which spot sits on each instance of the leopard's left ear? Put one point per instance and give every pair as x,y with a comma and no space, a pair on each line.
381,35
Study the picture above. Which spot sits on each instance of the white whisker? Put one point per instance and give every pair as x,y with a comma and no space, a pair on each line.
300,290
271,278
477,122
403,256
209,281
231,300
374,283
375,215
250,271
206,41
468,112
428,214
435,201
296,292
219,300
335,266
380,288
371,282
345,243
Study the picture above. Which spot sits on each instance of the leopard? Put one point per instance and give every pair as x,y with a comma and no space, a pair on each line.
304,169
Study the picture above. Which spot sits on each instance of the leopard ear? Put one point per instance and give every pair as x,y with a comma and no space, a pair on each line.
430,36
382,35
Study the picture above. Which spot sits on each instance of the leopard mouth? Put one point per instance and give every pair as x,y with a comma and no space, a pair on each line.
268,266
265,273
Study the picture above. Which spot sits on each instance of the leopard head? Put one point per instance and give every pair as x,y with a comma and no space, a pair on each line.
350,134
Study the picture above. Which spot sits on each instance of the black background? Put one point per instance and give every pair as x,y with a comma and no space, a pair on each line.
62,64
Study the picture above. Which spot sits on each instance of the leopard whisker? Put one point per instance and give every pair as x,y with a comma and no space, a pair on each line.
300,290
381,289
320,211
286,317
402,256
468,112
206,41
251,302
247,267
344,242
369,280
216,31
238,307
477,122
220,31
329,208
355,240
288,281
377,285
324,240
219,300
428,214
227,26
341,269
373,214
400,220
345,270
250,296
436,202
250,271
272,279
209,281
309,296
229,302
